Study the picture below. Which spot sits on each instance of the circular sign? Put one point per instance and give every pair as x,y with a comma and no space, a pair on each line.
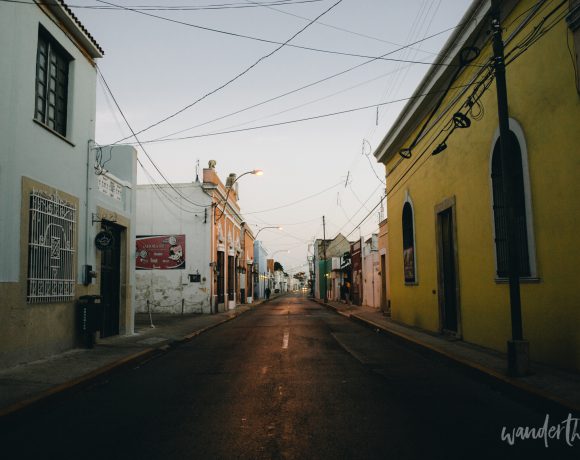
104,240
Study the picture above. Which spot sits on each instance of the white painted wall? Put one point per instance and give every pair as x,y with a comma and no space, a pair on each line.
261,267
371,278
27,148
156,215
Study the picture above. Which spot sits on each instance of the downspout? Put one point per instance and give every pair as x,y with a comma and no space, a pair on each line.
88,217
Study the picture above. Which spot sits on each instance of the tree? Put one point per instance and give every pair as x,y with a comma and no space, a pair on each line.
278,267
300,276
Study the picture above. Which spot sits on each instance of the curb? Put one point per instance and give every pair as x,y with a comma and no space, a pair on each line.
109,368
74,382
479,369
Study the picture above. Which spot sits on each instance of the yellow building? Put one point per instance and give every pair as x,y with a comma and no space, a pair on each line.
447,263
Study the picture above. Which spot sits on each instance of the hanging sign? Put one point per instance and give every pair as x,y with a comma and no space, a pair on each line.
104,240
160,252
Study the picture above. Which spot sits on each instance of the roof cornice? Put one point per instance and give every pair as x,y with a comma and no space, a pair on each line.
60,10
434,81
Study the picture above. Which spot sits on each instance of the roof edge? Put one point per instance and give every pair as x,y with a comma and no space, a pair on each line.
404,124
74,26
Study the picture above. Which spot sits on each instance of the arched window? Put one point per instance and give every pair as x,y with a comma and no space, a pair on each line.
409,244
500,211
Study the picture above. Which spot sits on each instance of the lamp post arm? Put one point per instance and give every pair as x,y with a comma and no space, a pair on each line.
228,193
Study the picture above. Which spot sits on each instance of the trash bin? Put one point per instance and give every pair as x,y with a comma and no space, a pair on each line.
90,313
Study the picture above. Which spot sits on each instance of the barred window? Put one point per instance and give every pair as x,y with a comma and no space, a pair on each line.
52,64
500,211
51,251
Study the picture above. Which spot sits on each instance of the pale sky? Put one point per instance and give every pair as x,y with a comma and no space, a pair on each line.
155,68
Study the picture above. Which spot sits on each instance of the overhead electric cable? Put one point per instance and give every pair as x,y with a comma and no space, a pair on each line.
222,6
294,202
238,75
536,34
366,217
143,148
309,85
299,120
341,29
328,96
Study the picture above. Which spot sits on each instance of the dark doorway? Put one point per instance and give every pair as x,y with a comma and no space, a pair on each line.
231,278
384,306
111,283
448,284
220,277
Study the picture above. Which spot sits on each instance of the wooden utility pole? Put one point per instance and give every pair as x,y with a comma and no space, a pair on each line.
325,261
518,348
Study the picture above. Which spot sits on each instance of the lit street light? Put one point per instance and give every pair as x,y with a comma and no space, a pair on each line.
255,172
263,228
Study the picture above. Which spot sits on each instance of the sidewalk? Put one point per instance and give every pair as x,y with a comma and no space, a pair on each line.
25,384
554,385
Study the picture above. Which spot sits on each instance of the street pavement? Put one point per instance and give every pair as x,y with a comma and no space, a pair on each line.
289,379
23,385
544,383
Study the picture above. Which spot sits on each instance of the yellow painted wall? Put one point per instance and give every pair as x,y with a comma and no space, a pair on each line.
543,100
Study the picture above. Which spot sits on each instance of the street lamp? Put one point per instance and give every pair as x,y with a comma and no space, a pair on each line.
255,172
263,228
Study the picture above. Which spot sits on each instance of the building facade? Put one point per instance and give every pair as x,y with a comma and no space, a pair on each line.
329,277
446,207
384,266
260,270
371,272
67,204
193,247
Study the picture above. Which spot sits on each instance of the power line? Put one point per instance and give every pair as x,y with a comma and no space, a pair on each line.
142,148
264,40
289,109
309,85
223,6
341,29
299,120
523,46
294,202
366,217
237,76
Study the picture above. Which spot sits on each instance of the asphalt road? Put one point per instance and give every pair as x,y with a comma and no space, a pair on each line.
287,380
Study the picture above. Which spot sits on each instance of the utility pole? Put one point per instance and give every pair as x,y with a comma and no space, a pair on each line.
325,261
518,348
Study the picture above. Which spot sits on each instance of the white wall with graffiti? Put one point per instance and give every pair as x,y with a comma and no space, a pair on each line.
172,253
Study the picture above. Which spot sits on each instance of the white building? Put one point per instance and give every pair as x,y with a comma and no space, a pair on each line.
261,277
179,282
59,190
371,272
194,252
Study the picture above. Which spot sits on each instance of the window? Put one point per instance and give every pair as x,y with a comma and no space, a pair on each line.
409,244
52,64
51,250
500,212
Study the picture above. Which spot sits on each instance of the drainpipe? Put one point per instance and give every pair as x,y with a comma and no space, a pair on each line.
88,216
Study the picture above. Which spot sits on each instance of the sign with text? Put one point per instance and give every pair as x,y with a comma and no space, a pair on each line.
160,252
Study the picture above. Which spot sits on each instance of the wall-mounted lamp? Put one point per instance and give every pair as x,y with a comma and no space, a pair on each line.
406,153
461,120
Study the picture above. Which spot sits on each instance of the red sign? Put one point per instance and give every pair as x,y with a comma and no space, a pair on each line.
160,252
